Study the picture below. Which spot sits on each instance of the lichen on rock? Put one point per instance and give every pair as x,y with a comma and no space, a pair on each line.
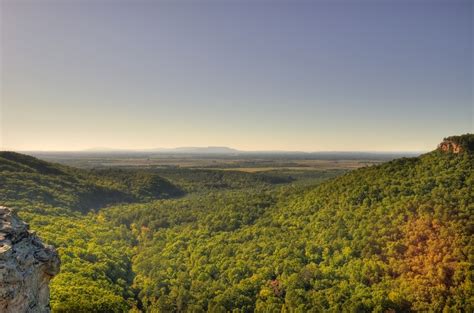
26,267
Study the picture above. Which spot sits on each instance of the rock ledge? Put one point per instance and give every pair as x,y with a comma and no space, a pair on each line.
450,146
26,267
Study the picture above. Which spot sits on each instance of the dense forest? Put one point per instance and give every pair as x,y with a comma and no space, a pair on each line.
395,237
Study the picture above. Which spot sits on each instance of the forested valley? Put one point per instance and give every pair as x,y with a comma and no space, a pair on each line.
395,237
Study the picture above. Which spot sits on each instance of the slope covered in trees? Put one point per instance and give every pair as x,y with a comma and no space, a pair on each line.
31,181
60,203
394,237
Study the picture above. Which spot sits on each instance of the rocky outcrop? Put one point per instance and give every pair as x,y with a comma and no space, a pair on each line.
26,267
450,146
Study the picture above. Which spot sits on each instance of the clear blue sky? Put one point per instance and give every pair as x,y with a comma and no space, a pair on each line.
255,75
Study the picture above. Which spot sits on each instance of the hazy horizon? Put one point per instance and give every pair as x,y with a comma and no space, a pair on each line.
166,149
291,76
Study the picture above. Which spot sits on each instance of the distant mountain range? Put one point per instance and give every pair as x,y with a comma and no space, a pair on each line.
232,151
225,152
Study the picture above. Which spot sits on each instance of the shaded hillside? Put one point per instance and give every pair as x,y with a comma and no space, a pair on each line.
26,180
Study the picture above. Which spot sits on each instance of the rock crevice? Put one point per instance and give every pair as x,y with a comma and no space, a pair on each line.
26,267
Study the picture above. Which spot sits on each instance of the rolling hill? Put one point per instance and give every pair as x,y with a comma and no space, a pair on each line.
26,180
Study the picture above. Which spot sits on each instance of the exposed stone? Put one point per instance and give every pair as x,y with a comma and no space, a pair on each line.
26,267
450,146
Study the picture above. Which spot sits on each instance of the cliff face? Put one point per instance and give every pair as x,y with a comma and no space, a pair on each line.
458,144
450,146
26,267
